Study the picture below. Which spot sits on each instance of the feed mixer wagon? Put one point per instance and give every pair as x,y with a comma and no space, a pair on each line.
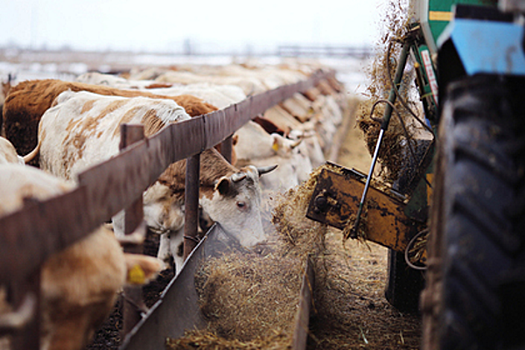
454,216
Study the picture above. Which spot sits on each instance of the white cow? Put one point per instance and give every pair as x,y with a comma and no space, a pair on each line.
256,146
111,80
82,129
250,85
221,96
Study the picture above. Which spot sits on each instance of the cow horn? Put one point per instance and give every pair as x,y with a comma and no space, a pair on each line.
31,155
266,169
238,177
11,321
136,237
297,143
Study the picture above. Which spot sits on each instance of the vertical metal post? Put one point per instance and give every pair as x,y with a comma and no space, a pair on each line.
191,204
227,148
133,216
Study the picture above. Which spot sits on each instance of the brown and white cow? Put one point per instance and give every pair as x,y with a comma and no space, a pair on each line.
82,129
78,285
28,100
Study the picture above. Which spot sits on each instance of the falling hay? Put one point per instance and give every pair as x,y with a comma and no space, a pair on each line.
380,75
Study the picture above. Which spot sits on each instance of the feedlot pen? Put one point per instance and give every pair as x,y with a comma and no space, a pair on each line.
349,309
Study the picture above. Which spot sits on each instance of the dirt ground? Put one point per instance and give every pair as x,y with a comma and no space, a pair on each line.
355,313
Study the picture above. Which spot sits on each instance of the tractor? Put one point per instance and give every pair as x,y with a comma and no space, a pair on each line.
454,219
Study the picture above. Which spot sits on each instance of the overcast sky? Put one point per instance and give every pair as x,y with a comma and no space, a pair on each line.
161,25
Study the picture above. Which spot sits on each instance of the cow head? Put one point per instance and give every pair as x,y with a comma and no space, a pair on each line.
235,204
163,211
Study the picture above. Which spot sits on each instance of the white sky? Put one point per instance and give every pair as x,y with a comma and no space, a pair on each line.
160,25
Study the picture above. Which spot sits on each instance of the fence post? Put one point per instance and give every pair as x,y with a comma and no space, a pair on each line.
132,301
227,148
191,204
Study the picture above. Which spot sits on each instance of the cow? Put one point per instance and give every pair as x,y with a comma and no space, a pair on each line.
249,85
111,80
220,96
79,285
309,146
322,113
8,153
28,100
82,129
256,146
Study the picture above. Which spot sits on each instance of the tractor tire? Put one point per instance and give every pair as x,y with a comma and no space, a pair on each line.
475,293
404,284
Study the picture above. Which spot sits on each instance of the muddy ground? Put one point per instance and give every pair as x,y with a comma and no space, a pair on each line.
353,312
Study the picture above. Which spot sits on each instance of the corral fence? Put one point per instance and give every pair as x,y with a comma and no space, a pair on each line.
38,230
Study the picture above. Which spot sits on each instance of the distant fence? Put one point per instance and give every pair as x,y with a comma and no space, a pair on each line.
324,51
31,235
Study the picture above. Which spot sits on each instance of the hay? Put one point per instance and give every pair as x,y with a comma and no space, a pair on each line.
351,311
249,300
244,297
209,340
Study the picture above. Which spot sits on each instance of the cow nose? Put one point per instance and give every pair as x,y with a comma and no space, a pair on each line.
262,248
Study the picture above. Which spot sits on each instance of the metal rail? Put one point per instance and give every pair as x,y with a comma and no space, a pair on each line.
40,229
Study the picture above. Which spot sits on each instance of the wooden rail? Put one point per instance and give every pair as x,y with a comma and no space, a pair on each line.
29,236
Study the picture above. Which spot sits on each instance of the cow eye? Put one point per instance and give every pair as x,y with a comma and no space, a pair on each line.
241,204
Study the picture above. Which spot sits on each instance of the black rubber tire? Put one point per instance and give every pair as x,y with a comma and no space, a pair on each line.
476,293
404,284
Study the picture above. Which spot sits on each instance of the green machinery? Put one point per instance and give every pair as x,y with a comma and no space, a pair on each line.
455,223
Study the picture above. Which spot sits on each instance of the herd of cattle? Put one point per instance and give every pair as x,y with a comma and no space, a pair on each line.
61,128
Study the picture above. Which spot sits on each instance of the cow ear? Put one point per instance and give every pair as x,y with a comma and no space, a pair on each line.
141,269
223,185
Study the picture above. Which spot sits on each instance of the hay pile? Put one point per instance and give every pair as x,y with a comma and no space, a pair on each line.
245,297
209,340
250,300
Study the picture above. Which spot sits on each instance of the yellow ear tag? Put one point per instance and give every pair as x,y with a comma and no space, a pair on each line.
136,275
275,146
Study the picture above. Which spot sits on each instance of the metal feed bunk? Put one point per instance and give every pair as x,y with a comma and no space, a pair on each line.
40,229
